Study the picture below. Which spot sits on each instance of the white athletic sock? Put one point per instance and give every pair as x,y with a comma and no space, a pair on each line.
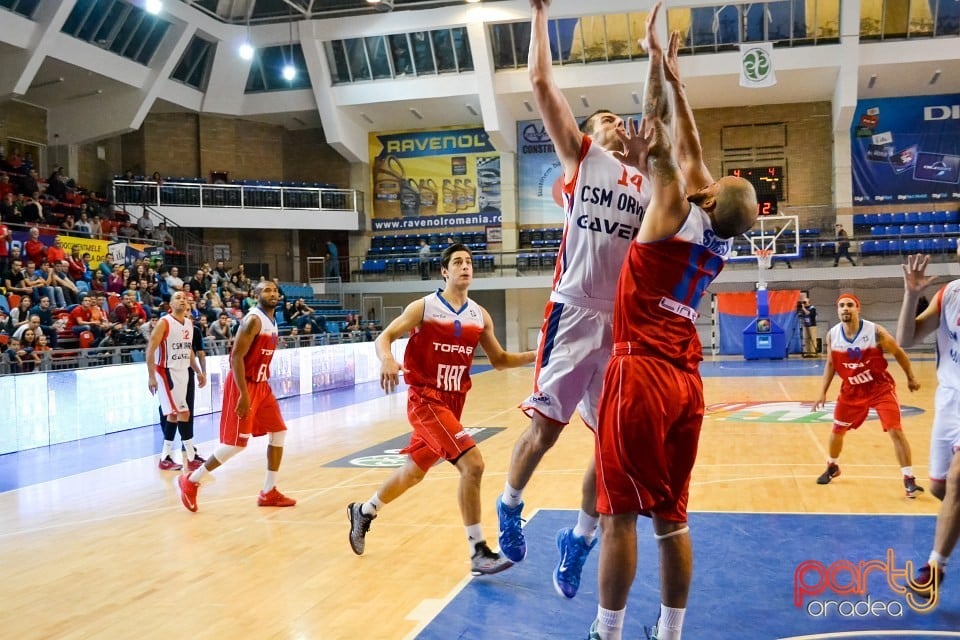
511,497
907,471
167,449
198,474
832,460
474,535
372,506
191,451
586,526
671,623
270,481
610,623
941,560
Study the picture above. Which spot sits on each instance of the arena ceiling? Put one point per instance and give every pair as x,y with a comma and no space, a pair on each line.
266,11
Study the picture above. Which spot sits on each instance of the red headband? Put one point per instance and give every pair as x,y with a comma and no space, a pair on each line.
855,299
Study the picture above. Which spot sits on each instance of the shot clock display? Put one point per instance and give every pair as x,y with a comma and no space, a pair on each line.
768,182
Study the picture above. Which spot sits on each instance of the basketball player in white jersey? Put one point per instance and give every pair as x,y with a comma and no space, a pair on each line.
605,201
445,328
170,354
942,316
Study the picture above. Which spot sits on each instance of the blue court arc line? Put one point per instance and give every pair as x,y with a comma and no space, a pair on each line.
743,584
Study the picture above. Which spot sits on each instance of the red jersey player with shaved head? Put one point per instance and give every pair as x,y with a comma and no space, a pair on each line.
249,406
857,347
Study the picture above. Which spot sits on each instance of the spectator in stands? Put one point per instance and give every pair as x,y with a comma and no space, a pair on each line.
107,230
34,248
219,274
147,327
352,323
5,237
87,317
197,283
843,246
307,335
83,226
36,281
51,285
56,253
424,255
249,302
302,315
76,269
44,314
234,310
14,356
162,235
9,211
87,269
14,280
292,340
212,302
173,279
127,318
61,278
222,331
232,286
145,225
6,327
370,334
333,260
148,298
98,284
30,185
20,314
56,186
30,361
5,185
68,224
43,344
33,325
126,230
31,211
115,282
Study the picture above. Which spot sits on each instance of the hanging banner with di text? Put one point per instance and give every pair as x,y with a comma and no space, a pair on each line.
906,150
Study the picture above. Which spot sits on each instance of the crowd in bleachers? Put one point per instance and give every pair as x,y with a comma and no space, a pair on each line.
49,315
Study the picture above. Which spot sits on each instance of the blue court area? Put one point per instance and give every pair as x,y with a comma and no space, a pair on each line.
756,577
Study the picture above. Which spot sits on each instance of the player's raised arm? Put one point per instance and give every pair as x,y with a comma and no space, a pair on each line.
911,327
558,118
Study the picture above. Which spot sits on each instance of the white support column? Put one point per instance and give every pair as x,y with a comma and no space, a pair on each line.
844,106
500,125
342,133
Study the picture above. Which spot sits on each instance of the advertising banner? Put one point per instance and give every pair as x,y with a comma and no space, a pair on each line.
122,252
906,150
539,175
434,179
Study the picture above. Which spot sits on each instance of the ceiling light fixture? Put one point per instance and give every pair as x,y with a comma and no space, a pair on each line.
245,51
153,6
47,83
416,114
472,110
367,118
935,77
527,105
636,97
873,81
583,99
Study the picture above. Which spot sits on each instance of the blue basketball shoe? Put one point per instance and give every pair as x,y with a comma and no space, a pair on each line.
573,553
512,543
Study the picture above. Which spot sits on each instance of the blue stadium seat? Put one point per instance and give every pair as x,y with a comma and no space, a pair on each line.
927,217
908,229
869,248
911,217
923,230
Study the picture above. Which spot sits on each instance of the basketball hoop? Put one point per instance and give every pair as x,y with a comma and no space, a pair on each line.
764,258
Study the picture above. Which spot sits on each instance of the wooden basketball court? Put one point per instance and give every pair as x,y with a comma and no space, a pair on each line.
111,553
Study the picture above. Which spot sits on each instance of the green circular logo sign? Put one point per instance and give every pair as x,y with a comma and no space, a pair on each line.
756,65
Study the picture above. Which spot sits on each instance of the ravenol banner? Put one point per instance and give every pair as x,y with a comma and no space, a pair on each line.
906,150
434,179
539,174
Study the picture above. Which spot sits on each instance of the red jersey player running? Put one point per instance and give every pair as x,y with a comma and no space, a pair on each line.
856,349
445,328
249,406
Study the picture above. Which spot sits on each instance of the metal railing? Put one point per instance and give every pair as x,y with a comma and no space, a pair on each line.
239,196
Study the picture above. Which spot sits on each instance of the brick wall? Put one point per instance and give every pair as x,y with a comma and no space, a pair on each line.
308,158
131,153
809,145
170,144
22,121
94,173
